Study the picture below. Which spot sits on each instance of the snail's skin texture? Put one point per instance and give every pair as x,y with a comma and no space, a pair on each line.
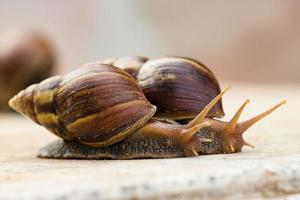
179,87
29,60
136,146
130,64
44,103
97,105
156,140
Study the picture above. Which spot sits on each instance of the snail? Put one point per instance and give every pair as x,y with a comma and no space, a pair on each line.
100,112
130,64
29,60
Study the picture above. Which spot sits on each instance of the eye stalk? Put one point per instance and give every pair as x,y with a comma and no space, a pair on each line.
190,145
233,131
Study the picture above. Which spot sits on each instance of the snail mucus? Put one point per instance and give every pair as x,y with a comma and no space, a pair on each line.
100,112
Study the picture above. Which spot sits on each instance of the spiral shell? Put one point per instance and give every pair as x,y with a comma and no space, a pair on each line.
179,87
97,105
131,64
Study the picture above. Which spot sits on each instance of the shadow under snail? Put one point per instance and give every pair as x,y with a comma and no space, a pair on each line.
100,112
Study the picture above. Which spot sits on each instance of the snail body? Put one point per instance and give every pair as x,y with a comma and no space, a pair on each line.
156,140
100,112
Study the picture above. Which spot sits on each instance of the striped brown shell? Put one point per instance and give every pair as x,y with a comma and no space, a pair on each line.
179,87
97,105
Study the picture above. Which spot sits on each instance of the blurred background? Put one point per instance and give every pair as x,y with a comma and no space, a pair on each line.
239,40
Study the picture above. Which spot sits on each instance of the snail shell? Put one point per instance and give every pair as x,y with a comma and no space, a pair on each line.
179,87
97,105
131,64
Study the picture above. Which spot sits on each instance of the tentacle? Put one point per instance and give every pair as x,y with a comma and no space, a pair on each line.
248,144
243,126
201,116
231,126
233,131
187,134
192,146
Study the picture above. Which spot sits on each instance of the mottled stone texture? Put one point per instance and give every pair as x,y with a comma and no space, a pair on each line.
271,170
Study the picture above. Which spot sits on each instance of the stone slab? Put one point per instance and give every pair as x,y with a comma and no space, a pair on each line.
271,170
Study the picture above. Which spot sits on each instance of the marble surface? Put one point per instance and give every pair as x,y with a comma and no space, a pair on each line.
271,170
